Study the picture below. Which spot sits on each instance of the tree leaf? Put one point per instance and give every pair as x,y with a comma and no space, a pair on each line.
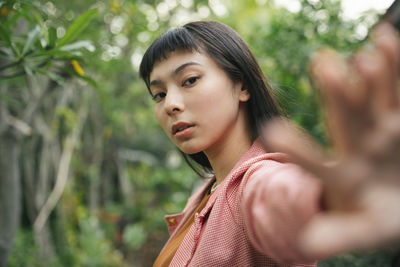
87,79
43,27
52,33
32,38
77,27
4,54
28,70
5,35
58,54
78,45
52,76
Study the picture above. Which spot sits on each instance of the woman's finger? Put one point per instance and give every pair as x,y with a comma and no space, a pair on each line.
374,69
344,98
283,136
386,40
330,233
383,146
341,181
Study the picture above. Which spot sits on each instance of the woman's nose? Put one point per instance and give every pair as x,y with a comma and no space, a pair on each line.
173,102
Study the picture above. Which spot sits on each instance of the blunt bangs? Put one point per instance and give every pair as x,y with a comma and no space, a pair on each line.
175,39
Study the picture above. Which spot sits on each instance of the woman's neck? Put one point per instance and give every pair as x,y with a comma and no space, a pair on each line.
224,155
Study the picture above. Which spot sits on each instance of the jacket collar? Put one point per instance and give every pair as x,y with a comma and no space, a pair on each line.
174,222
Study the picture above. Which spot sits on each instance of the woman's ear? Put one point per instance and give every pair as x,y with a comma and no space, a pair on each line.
244,95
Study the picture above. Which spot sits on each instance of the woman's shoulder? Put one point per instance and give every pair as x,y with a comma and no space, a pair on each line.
278,169
273,170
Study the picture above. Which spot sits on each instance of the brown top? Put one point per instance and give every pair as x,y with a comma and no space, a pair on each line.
166,255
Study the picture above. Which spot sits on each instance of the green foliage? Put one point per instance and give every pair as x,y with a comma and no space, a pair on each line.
134,236
284,43
30,46
24,251
94,248
125,175
79,25
65,120
382,259
84,241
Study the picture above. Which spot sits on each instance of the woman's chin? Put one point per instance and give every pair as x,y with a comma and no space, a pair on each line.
189,149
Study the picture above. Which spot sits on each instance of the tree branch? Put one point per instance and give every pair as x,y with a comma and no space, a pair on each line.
63,169
22,72
20,125
12,64
16,74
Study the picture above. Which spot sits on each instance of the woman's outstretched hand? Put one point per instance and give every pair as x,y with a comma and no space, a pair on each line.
361,176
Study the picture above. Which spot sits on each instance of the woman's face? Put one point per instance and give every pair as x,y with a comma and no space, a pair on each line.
196,103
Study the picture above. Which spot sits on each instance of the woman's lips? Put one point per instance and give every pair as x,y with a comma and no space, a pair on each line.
185,133
182,130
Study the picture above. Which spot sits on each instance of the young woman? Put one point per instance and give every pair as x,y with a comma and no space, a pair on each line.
213,101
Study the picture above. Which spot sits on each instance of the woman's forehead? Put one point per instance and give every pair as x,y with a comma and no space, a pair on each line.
174,59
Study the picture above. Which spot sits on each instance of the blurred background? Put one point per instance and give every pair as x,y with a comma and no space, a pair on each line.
86,174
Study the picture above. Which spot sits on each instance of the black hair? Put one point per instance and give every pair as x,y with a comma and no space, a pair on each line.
232,54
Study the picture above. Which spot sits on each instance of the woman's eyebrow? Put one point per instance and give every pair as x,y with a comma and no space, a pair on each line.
155,82
181,67
176,71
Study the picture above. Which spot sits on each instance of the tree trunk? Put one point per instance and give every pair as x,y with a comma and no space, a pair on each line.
10,193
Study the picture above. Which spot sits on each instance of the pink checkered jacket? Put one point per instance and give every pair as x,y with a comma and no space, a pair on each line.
252,219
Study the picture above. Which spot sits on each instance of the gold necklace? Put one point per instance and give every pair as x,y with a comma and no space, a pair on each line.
214,187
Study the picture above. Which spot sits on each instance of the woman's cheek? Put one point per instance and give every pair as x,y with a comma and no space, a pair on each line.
160,119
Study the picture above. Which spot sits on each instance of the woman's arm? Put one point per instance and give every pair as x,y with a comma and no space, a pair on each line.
278,201
361,98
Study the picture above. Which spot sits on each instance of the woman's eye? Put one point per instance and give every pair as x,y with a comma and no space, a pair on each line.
190,81
159,96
